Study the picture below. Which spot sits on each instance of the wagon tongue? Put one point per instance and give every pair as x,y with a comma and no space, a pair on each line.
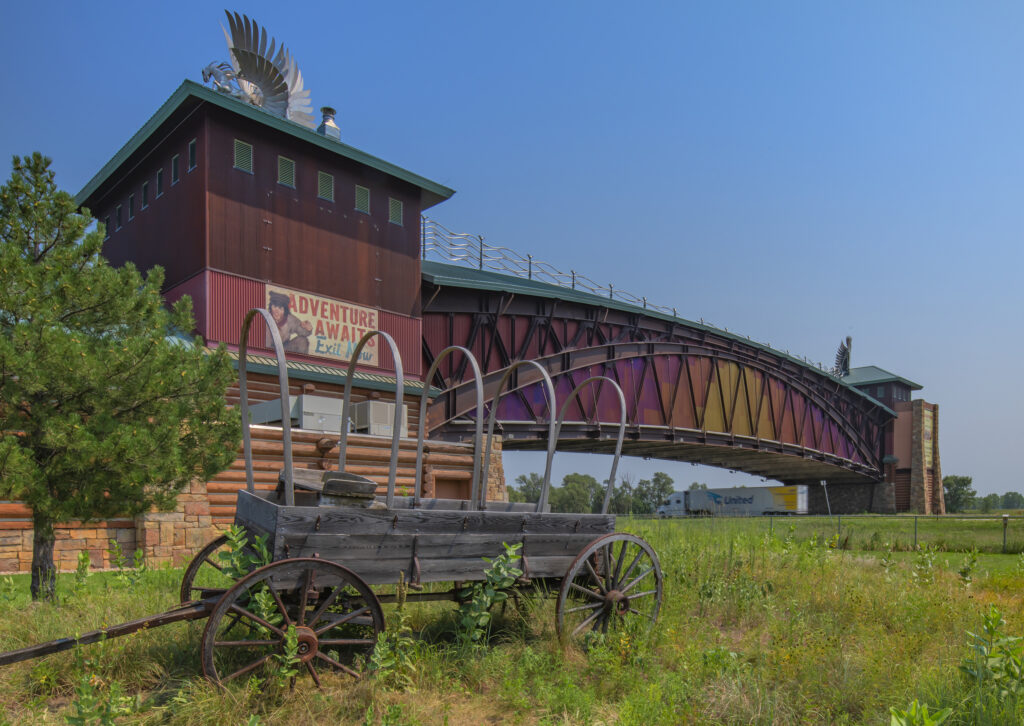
189,611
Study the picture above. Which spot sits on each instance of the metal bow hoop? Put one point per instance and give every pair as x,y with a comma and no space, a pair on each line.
396,427
286,416
421,432
549,389
622,429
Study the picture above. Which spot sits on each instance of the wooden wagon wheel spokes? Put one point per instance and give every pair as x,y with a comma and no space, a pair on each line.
615,577
205,575
334,615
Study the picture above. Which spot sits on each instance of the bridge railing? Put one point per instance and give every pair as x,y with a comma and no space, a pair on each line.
439,243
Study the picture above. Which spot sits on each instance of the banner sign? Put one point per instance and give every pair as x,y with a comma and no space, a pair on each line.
320,326
927,433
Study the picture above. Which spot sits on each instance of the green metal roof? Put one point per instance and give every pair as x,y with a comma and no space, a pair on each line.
328,374
445,275
432,192
870,375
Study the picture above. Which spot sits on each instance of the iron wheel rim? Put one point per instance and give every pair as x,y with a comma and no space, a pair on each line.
615,579
336,617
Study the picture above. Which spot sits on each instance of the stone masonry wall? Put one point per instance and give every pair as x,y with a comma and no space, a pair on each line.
16,545
173,537
926,496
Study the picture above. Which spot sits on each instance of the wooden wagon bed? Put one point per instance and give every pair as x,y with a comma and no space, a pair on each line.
435,542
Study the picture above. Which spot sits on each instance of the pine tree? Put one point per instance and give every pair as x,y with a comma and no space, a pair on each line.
105,410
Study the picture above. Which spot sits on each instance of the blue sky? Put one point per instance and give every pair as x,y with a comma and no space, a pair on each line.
794,171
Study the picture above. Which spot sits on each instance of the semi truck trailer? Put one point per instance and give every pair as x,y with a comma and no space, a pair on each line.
736,501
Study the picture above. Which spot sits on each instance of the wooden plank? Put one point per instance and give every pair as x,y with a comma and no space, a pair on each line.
386,571
433,546
347,520
463,504
252,510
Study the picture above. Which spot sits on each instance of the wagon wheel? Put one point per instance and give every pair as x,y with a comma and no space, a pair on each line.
335,615
205,575
616,577
205,567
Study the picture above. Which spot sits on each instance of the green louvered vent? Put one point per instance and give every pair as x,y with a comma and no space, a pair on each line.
243,156
362,199
395,211
325,185
286,171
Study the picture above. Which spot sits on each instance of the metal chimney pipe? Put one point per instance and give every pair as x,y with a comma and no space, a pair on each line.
327,127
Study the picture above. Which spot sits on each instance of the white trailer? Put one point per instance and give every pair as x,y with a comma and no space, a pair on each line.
737,501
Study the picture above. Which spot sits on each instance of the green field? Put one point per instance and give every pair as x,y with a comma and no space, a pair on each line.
878,532
756,627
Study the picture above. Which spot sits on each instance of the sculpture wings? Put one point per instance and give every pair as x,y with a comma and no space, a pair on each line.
842,367
272,82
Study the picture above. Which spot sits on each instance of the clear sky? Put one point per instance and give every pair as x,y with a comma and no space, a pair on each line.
793,171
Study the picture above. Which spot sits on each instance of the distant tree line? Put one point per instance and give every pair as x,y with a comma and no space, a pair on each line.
583,493
961,497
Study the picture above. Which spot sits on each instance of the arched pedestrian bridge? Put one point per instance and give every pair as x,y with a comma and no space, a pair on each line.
694,393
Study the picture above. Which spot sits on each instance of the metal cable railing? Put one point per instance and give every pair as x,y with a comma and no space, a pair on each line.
439,243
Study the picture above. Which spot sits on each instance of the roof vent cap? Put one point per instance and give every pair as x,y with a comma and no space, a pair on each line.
327,127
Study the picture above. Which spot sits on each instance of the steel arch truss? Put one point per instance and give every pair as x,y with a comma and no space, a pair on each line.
692,393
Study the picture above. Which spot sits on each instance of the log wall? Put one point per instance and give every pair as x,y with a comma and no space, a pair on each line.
207,508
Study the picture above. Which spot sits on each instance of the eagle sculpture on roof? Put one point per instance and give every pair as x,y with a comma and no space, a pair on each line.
258,76
842,367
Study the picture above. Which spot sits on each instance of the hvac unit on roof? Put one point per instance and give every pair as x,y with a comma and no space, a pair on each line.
320,413
376,418
315,413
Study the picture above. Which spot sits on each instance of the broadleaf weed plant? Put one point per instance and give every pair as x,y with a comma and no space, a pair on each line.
967,569
81,571
924,565
887,561
996,660
129,572
287,661
8,592
98,703
474,620
917,714
244,554
393,660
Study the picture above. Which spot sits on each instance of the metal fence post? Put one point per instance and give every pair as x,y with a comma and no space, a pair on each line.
839,525
1006,521
771,525
915,531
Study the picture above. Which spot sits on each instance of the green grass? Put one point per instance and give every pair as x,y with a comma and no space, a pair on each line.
867,532
753,630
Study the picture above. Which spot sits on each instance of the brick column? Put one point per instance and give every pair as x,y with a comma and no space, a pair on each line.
496,489
926,496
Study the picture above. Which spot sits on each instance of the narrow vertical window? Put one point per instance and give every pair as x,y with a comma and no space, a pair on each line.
395,211
362,199
145,194
174,170
117,216
106,227
191,154
243,156
285,172
325,185
131,207
159,182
